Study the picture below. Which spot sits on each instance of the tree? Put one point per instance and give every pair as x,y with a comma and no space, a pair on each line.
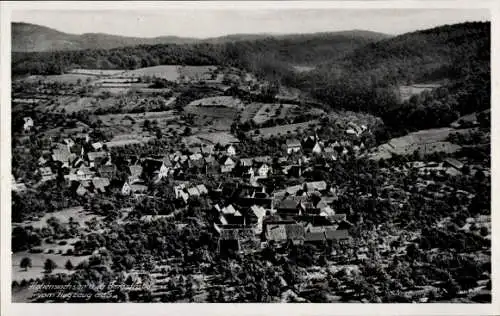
25,263
49,266
68,265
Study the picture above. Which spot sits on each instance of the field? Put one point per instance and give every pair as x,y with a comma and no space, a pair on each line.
425,142
174,73
97,72
69,78
37,261
167,72
224,101
77,213
222,138
281,130
128,128
406,92
71,104
269,111
36,271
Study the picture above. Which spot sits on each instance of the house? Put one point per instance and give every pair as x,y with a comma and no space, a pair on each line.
85,137
230,150
138,187
193,191
45,172
276,232
122,186
97,158
28,124
62,155
207,149
69,142
287,206
317,149
42,161
100,184
227,165
81,190
262,169
293,146
256,216
202,189
107,171
195,157
295,233
135,172
316,186
246,162
454,163
155,168
97,146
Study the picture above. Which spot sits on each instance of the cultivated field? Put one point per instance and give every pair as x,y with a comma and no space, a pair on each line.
424,141
406,92
174,73
221,101
222,138
70,78
97,72
282,130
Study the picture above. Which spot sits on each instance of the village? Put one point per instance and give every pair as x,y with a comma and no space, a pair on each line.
259,178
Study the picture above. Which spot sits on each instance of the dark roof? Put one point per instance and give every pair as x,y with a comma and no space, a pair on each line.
295,232
287,204
332,234
315,236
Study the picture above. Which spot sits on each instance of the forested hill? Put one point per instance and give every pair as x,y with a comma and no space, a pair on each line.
368,79
428,55
28,37
259,53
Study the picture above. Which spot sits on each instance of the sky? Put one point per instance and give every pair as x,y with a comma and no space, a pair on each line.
202,23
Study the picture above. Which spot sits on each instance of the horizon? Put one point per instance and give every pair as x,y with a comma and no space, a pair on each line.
214,23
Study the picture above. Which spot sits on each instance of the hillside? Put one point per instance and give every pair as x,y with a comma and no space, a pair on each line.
35,38
369,78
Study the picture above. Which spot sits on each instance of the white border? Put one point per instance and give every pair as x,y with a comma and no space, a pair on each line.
8,308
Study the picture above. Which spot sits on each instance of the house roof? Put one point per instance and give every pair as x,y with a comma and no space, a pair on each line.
61,154
193,191
45,171
315,236
332,234
196,156
247,162
97,154
258,211
135,170
100,183
107,169
97,145
317,185
293,143
228,209
276,232
287,204
202,189
295,231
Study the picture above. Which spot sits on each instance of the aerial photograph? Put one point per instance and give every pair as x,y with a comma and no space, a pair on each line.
251,156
